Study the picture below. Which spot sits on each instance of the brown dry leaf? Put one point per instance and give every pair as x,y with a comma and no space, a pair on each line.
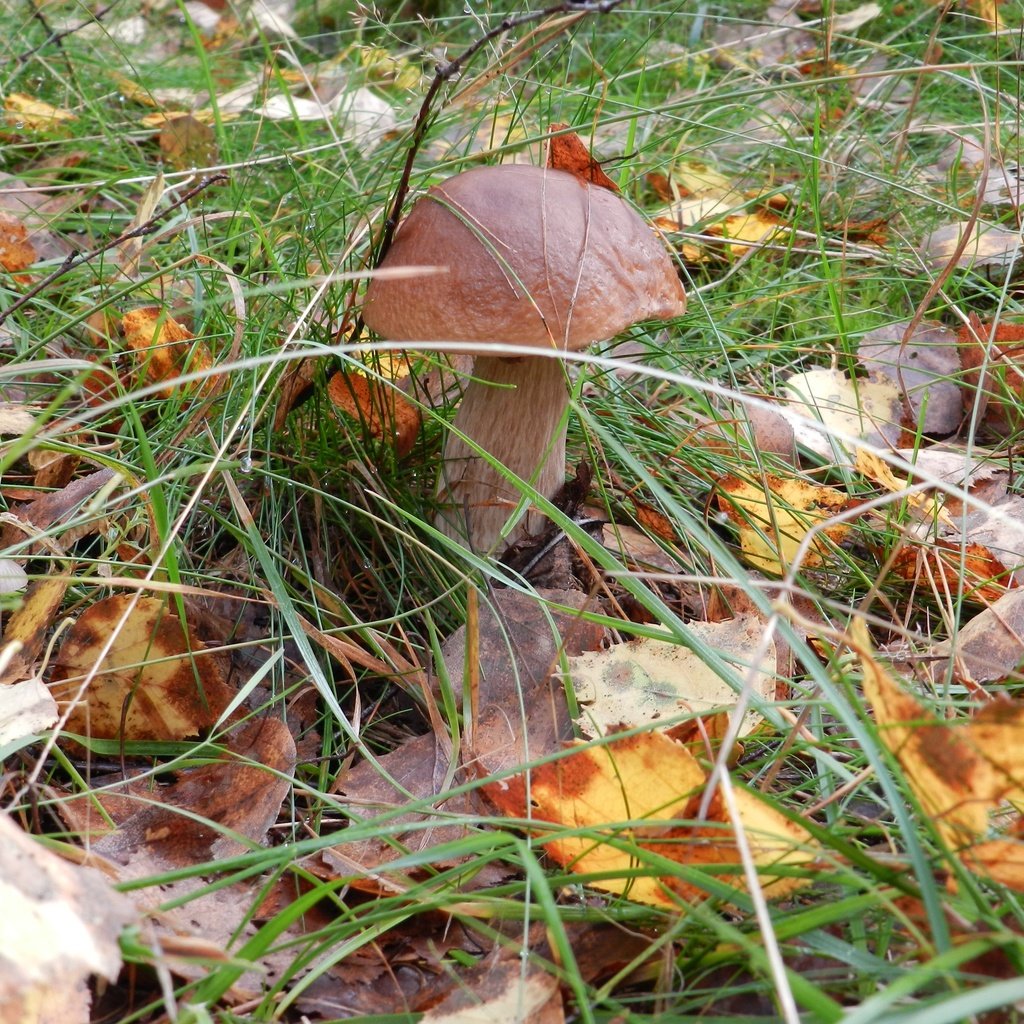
988,649
383,411
775,514
992,357
987,246
514,656
240,795
24,112
59,509
500,988
209,814
948,567
649,682
568,153
16,419
866,410
167,349
157,681
925,369
63,923
16,249
654,783
186,142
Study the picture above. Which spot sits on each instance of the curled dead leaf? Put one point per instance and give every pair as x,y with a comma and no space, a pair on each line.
166,349
383,411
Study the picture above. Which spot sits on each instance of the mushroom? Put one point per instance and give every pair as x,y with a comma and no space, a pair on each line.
534,257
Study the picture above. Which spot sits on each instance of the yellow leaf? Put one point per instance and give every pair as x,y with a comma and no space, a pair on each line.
655,784
156,680
25,112
959,770
774,516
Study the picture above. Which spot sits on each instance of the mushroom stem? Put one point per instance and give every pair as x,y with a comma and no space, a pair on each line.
512,409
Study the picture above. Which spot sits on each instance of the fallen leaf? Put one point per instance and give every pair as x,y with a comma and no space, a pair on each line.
29,625
500,988
16,249
988,649
777,36
655,682
26,708
654,784
60,926
775,514
16,419
567,152
212,812
380,409
187,143
987,246
156,681
166,349
24,112
992,357
925,369
948,568
868,410
960,770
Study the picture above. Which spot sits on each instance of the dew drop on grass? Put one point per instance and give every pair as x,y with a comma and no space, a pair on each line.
245,465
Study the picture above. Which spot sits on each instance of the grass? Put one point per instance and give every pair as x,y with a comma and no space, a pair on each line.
302,519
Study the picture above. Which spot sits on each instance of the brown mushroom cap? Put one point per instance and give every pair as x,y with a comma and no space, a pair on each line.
535,257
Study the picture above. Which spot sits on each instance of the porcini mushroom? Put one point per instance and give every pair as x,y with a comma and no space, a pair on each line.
535,257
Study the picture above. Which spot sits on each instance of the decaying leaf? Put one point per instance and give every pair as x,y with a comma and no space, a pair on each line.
925,369
166,349
187,142
951,569
380,408
157,680
16,249
868,410
959,770
639,794
26,708
27,627
654,682
567,152
775,514
992,357
60,925
986,246
16,419
235,799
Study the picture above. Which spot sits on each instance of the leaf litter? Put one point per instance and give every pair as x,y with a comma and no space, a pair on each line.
632,805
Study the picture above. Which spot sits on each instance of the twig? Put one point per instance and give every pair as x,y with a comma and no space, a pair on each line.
76,259
53,36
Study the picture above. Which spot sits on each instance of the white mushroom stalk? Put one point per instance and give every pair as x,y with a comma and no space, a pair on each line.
535,258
